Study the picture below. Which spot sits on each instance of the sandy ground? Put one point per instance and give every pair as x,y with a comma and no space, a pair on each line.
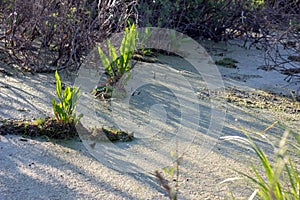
45,169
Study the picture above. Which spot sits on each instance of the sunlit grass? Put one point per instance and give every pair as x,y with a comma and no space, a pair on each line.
279,180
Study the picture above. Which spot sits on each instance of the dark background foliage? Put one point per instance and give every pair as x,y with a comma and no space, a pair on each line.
44,35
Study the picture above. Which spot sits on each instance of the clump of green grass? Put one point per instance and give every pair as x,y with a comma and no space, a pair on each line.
65,109
118,65
279,180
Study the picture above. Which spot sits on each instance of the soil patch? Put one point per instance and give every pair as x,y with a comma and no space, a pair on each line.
39,127
52,129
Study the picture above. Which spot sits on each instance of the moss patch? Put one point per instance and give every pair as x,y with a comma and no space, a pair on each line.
104,134
52,129
227,62
40,127
117,135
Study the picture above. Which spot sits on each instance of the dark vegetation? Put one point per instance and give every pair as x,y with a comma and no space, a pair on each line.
40,127
42,36
53,129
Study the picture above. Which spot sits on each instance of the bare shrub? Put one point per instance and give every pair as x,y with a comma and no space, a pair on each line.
197,18
269,25
42,36
115,15
281,36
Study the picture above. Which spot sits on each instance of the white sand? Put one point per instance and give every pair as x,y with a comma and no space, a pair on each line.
41,169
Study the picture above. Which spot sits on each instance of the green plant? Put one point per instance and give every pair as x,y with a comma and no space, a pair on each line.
116,65
64,110
279,181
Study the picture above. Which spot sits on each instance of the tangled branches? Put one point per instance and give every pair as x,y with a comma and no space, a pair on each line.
43,36
280,36
114,15
273,26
